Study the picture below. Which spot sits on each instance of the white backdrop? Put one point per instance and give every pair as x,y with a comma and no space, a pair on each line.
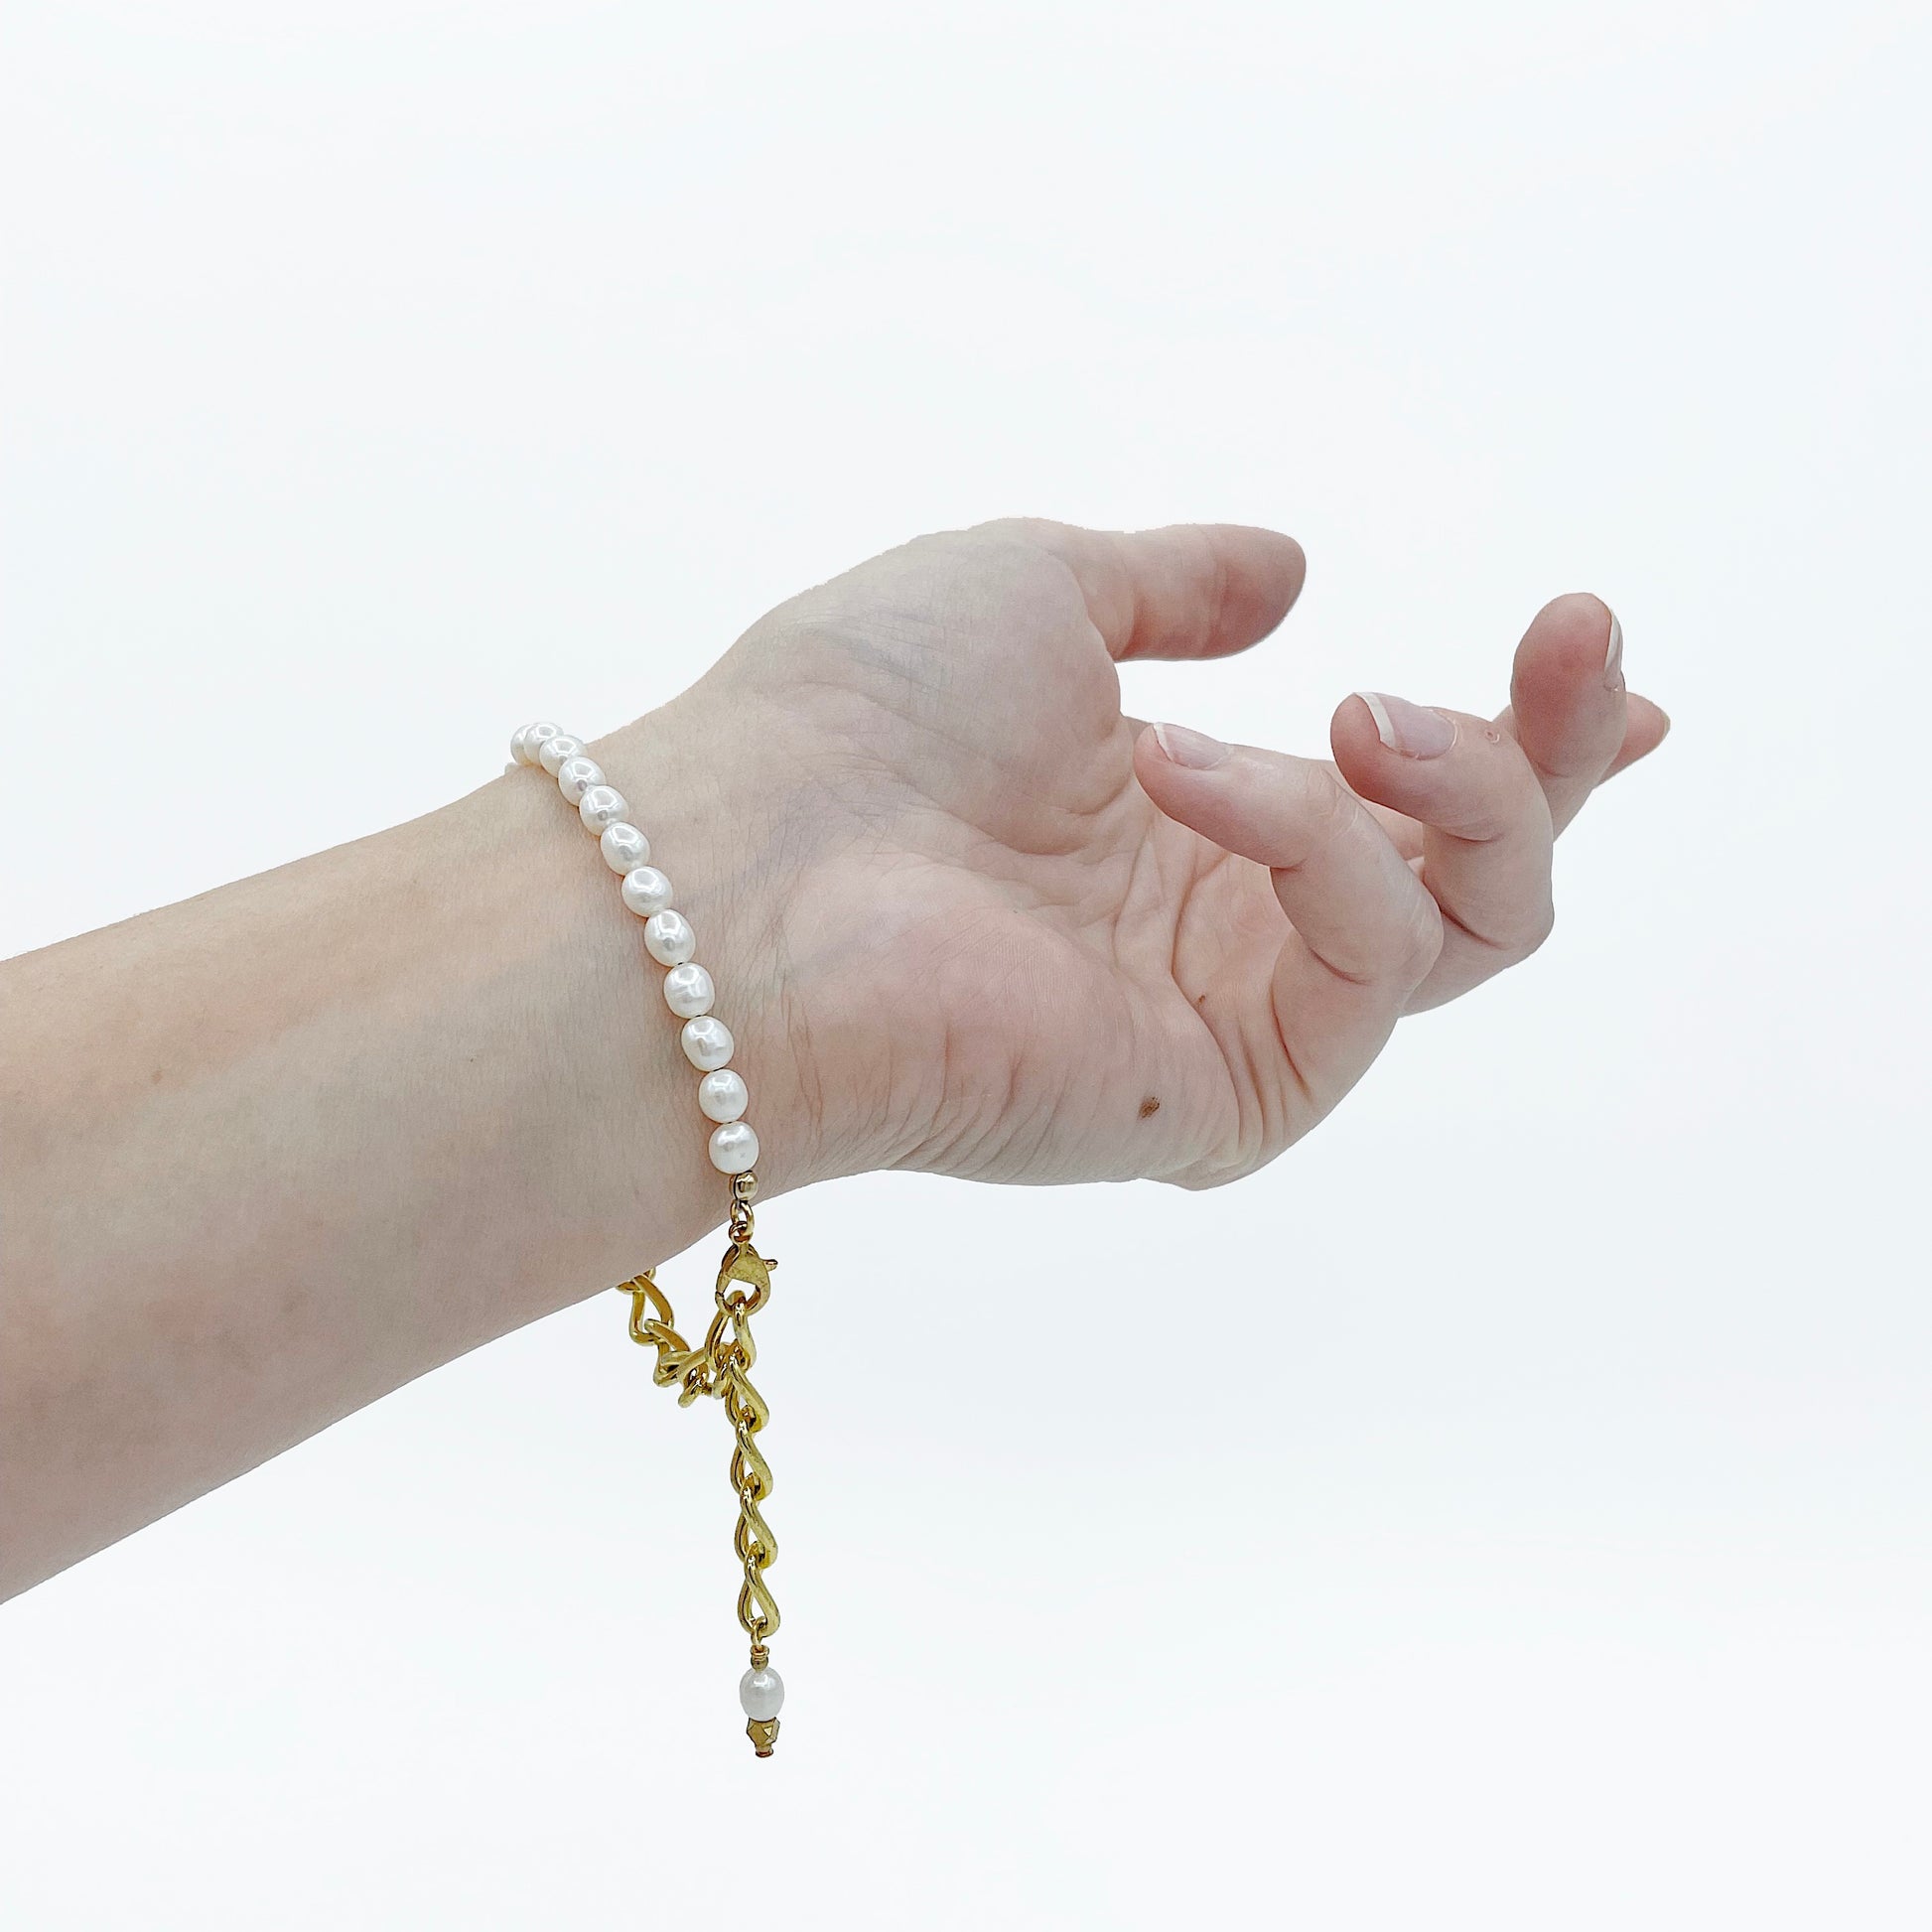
1512,1510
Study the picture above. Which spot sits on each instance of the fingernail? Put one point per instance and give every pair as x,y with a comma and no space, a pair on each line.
1190,748
1411,729
1613,658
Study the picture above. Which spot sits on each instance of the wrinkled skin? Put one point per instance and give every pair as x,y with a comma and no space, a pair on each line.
1000,933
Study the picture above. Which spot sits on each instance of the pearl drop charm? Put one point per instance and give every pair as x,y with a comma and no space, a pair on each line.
688,990
722,1096
762,1692
576,775
646,890
600,807
735,1146
669,938
708,1044
624,848
559,746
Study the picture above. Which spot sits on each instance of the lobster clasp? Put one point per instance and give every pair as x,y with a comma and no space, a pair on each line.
745,1266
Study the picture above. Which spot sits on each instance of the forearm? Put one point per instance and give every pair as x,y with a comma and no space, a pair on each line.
273,1152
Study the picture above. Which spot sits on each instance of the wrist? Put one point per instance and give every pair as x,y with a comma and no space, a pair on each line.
730,797
611,1159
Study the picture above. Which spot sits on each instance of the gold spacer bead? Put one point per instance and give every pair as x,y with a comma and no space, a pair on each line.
764,1734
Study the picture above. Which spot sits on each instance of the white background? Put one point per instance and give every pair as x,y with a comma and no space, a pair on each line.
1512,1510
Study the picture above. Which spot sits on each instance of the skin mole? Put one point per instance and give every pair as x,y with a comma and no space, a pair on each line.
1151,1105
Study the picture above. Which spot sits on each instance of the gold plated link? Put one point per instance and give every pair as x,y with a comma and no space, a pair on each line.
722,1368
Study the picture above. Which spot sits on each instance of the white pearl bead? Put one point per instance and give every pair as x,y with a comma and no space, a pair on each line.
624,848
762,1692
669,938
708,1042
523,747
602,807
734,1148
576,775
722,1095
555,749
688,990
646,890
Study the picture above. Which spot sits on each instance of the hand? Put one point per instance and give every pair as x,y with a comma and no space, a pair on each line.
1012,934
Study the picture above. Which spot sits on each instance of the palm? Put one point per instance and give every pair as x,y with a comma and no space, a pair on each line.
1098,990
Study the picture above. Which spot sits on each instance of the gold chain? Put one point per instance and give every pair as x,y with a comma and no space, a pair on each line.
722,1368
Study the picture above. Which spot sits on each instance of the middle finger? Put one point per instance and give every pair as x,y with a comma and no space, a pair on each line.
1486,828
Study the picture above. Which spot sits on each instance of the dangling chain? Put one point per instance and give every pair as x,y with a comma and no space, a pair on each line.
723,1367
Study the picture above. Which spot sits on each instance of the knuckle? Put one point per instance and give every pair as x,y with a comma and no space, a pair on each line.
1007,569
1504,797
1540,929
1421,943
1328,805
1312,811
1525,936
1210,571
1037,531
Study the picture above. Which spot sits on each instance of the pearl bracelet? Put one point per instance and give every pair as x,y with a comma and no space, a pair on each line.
721,1366
669,938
